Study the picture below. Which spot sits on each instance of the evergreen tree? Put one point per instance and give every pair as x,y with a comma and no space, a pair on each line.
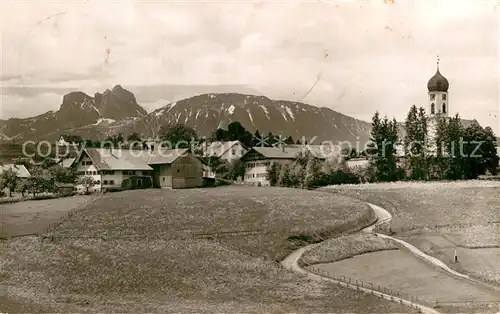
284,176
415,143
257,139
289,140
382,151
273,172
456,160
297,174
312,172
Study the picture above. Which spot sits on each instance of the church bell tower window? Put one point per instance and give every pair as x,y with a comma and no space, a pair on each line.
444,96
444,108
433,96
433,109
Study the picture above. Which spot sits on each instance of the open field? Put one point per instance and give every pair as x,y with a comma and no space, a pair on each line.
346,246
401,271
162,251
439,217
34,216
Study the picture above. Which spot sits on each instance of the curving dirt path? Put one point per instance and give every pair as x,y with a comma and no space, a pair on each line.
383,214
291,262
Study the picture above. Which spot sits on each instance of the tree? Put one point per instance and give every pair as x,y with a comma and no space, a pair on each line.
134,140
284,176
236,132
87,182
38,181
23,186
257,139
236,169
416,142
63,175
9,179
312,172
490,155
273,172
384,138
179,136
480,151
296,175
48,163
134,137
289,140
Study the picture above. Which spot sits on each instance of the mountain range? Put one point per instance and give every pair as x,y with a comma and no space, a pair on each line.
117,111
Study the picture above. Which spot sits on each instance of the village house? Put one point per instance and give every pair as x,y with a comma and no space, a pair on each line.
228,151
258,159
176,168
65,140
20,170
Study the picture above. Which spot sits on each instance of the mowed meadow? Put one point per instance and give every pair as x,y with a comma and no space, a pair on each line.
443,217
203,250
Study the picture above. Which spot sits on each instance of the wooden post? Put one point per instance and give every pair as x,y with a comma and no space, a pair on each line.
456,257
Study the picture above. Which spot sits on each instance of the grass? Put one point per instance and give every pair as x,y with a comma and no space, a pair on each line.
344,247
34,216
439,217
434,204
401,272
163,251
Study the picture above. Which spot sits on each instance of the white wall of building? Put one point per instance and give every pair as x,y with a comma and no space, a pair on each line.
86,168
234,153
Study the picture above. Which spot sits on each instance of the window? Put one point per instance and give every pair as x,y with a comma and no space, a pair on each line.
94,172
444,96
146,173
163,179
233,152
111,182
433,108
433,96
444,108
178,170
105,182
80,173
98,181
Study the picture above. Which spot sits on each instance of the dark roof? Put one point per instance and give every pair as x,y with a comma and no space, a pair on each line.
438,83
72,138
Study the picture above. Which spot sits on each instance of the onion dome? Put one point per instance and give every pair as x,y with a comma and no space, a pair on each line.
438,83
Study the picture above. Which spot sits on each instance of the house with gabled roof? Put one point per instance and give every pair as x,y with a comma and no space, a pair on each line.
20,170
65,140
175,168
228,151
258,159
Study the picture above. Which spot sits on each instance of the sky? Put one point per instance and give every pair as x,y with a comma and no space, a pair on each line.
356,57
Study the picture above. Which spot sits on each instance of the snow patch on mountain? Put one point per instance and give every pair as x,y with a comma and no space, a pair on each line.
290,112
265,111
250,116
230,110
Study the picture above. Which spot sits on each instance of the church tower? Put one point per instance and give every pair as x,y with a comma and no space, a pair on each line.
438,95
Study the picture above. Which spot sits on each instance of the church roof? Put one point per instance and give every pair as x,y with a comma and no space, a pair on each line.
438,83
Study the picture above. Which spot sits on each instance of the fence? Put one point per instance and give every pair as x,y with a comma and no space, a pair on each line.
399,296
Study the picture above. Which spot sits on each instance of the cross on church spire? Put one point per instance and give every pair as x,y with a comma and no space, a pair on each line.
438,62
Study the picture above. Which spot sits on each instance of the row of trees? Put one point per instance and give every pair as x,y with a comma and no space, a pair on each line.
43,178
452,152
307,171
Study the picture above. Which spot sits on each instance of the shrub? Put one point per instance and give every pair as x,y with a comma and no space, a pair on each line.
146,183
127,184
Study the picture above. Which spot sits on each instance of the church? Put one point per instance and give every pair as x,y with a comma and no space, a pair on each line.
439,104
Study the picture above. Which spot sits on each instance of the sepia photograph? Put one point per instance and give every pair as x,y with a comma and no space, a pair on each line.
250,156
